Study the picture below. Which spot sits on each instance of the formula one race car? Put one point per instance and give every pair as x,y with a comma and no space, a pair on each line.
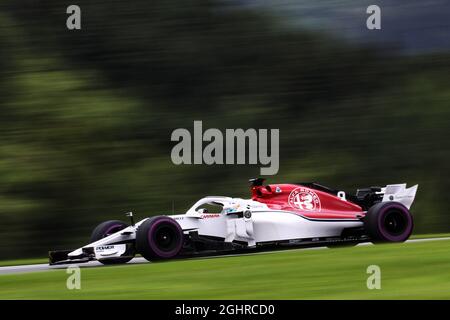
277,215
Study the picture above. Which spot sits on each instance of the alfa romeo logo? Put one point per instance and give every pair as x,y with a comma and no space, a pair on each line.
304,199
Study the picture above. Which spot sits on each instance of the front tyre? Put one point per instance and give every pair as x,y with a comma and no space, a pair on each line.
159,238
388,222
105,229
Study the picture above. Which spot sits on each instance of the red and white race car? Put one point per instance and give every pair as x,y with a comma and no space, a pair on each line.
277,215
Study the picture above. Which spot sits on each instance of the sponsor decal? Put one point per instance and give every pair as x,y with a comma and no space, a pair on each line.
110,250
102,248
304,199
232,208
214,215
278,190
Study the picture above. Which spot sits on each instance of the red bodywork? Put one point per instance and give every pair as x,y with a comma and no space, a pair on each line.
307,202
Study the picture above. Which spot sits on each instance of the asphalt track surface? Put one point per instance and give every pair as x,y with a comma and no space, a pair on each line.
138,260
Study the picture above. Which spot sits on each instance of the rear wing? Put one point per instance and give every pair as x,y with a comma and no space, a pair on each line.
399,193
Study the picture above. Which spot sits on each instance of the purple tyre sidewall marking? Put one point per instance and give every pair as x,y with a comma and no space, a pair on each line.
409,223
154,246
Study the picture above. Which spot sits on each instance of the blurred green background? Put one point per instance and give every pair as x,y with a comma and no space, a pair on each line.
86,115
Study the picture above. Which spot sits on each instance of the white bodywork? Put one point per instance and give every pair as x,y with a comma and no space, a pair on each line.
256,223
399,193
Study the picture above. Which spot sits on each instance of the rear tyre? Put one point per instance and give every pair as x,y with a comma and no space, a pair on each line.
159,238
388,222
105,229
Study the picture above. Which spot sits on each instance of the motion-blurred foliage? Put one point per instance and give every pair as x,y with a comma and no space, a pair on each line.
86,116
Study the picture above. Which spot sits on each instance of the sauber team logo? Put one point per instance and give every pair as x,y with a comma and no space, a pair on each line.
304,199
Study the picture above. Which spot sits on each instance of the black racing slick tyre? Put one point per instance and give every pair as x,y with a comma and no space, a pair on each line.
388,222
105,229
159,238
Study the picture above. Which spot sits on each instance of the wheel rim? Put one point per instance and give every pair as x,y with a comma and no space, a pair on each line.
166,237
395,222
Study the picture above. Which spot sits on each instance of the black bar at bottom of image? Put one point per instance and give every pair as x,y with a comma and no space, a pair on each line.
221,309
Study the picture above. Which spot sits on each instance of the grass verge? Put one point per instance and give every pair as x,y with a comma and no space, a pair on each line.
408,271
